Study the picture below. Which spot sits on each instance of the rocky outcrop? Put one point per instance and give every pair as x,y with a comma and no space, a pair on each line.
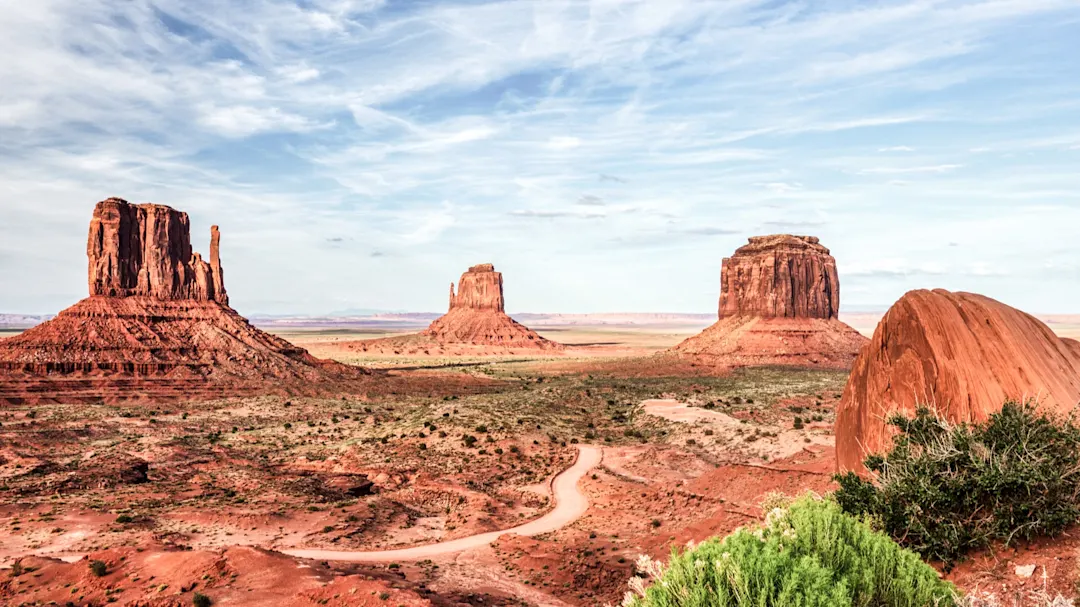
959,353
780,276
156,325
476,324
145,250
481,288
477,317
779,300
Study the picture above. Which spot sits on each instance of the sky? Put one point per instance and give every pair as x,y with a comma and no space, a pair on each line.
605,155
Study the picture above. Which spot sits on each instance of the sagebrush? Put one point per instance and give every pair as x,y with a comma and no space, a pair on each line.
945,489
809,554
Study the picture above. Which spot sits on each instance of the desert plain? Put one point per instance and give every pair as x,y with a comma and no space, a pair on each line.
157,449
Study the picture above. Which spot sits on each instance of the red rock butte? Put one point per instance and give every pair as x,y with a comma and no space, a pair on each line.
476,323
961,354
477,315
157,324
779,300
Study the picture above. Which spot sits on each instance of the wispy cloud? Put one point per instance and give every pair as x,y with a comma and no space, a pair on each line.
939,168
439,132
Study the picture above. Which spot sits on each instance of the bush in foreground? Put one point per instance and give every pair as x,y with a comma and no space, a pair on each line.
810,554
945,489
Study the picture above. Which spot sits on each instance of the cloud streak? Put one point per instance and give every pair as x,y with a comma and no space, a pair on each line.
442,133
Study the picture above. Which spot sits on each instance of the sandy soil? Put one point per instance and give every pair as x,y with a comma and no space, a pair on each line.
686,454
570,504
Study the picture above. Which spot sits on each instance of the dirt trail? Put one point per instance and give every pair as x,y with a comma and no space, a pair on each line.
570,504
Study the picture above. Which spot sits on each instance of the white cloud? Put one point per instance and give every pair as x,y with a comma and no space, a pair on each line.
733,116
894,267
563,143
939,168
781,187
430,224
298,73
243,121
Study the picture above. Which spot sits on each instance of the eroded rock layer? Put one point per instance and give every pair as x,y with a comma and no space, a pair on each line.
145,250
779,300
156,325
780,276
961,354
481,288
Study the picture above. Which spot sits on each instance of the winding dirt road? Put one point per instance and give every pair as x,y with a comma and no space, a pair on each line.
570,504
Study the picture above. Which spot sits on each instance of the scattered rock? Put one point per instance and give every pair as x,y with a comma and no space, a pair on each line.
1025,571
353,485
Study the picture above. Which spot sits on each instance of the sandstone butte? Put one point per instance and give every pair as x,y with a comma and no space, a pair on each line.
477,315
476,323
779,301
157,323
963,355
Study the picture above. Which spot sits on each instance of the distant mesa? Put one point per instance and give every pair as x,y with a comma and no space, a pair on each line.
476,320
477,315
960,354
157,324
779,301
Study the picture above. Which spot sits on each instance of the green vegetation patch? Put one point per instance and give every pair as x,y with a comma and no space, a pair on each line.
945,489
809,554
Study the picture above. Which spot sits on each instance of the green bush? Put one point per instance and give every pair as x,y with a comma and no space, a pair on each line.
945,489
99,568
810,554
201,600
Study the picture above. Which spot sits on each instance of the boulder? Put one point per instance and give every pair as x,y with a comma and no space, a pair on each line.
961,354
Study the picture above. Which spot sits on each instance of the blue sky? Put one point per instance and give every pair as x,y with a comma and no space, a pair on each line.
604,154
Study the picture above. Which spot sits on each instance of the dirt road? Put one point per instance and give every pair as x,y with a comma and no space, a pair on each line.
570,504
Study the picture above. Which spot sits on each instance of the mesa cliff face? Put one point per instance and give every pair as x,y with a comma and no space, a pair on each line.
157,324
481,288
780,276
779,300
145,250
960,354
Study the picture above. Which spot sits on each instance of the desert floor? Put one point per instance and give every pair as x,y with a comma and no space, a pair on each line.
684,453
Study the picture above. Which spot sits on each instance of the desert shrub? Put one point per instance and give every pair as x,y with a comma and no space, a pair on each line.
201,600
945,489
99,568
810,554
